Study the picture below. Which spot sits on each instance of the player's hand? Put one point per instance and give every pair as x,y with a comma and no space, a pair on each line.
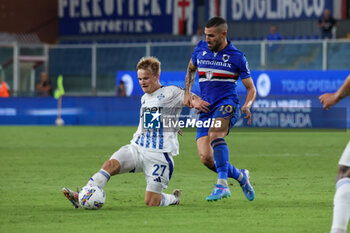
200,105
328,100
180,132
188,100
248,115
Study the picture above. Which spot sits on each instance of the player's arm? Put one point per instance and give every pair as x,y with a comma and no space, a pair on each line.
251,95
190,77
330,99
199,104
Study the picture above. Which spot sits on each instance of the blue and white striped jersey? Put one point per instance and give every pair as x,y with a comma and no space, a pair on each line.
166,101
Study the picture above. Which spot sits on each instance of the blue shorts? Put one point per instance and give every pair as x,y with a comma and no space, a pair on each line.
226,108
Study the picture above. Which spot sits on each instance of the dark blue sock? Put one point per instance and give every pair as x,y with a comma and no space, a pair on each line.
232,171
220,151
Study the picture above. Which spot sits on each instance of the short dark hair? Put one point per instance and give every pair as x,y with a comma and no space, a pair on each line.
215,21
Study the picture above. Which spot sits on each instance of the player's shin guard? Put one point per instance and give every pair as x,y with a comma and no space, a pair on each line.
341,210
221,155
100,178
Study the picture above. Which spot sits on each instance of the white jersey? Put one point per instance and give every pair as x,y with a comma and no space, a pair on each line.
166,101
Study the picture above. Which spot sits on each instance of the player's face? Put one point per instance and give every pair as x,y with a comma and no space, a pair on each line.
148,82
215,38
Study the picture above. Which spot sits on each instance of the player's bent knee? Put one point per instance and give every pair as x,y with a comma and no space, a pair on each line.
112,166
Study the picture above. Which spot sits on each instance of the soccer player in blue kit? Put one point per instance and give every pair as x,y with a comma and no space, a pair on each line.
219,65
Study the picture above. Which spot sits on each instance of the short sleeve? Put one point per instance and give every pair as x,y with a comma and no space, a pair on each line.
178,94
243,69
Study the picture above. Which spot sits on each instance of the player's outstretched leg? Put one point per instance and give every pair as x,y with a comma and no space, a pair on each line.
98,179
246,186
72,196
220,191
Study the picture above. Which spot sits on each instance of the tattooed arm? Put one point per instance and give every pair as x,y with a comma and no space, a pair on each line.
190,77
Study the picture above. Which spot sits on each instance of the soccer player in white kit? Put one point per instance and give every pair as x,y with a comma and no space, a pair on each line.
151,149
341,209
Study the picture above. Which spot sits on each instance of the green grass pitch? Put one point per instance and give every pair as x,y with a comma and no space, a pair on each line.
293,173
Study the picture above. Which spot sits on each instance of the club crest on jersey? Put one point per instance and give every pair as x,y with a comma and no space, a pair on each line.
160,97
225,57
209,74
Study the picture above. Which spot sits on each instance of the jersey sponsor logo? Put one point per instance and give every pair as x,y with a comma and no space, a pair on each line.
150,109
214,63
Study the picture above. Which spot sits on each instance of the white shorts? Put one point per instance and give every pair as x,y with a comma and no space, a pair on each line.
345,158
157,167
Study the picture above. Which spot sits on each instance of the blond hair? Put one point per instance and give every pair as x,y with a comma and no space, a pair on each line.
149,63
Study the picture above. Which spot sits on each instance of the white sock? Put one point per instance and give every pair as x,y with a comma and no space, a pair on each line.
168,199
100,178
341,211
222,182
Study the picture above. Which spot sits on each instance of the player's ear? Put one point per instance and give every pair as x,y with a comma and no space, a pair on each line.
224,33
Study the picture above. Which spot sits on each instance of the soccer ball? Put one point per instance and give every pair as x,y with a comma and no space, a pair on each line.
92,197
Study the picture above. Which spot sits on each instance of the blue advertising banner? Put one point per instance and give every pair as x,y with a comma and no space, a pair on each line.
267,82
101,17
267,10
297,82
271,112
75,111
286,99
294,111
